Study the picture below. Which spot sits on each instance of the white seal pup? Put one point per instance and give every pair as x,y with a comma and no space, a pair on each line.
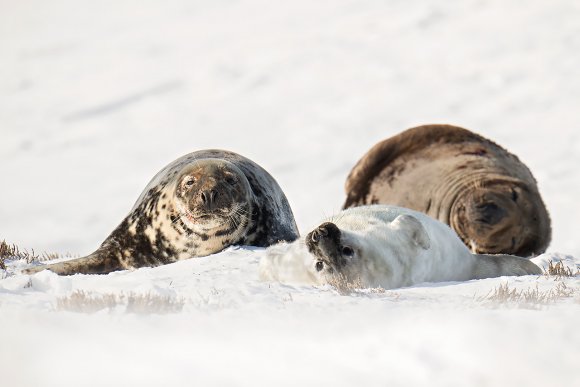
198,205
386,246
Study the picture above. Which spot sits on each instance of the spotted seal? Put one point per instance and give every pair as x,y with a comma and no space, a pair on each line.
197,205
386,246
485,193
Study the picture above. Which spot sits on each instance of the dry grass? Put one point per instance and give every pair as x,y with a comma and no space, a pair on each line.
3,247
344,287
532,296
84,302
559,271
13,252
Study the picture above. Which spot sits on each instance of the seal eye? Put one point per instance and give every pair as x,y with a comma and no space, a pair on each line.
231,180
189,181
348,251
319,266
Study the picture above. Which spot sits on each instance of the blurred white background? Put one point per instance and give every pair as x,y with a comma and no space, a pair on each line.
97,96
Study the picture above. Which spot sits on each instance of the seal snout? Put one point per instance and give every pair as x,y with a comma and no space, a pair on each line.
208,198
326,230
324,241
489,213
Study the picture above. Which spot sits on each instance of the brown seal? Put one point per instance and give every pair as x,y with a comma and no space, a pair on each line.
485,193
198,205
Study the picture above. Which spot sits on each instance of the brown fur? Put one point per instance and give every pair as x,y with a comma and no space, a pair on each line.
486,194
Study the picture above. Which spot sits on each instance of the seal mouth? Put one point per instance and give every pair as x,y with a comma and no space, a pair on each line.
217,213
205,217
237,216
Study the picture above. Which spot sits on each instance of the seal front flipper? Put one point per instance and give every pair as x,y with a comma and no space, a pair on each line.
91,264
414,231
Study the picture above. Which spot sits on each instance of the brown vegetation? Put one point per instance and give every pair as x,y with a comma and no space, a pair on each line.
532,296
344,287
13,252
85,302
559,271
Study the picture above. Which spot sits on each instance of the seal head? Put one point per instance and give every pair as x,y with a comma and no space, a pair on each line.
213,199
325,243
333,254
350,252
500,216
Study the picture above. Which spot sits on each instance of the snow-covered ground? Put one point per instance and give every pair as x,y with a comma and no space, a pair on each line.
96,97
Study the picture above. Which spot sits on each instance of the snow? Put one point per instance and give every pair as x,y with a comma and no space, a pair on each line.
99,96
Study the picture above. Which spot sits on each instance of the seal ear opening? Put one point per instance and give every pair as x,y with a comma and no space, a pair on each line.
414,230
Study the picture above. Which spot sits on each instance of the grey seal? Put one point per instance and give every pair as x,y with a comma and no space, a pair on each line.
197,205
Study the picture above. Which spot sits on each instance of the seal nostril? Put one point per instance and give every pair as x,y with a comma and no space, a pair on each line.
314,237
208,196
490,213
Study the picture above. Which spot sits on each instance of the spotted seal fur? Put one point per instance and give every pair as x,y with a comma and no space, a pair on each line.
485,193
197,205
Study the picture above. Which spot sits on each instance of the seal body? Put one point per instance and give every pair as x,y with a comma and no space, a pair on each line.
486,194
385,246
198,205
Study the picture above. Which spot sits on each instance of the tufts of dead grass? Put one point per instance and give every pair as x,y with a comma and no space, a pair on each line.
533,296
13,252
344,287
558,271
2,248
84,302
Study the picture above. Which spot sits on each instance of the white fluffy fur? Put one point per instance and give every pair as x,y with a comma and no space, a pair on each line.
394,247
289,263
